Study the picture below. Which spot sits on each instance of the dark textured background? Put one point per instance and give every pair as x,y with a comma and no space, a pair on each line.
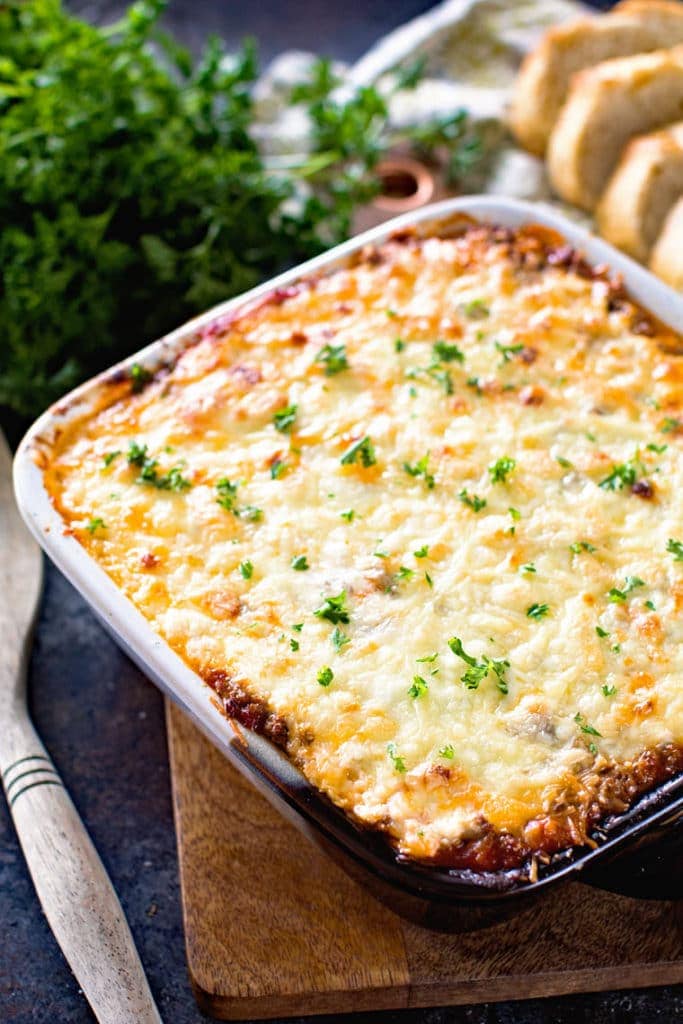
103,722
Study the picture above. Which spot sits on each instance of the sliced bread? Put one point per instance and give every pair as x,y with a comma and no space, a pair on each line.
666,259
607,106
647,182
544,78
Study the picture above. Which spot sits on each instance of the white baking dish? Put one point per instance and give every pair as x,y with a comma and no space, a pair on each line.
130,629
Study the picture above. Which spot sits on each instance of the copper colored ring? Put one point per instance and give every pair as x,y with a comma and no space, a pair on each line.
403,173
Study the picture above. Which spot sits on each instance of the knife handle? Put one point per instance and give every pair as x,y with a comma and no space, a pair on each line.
72,884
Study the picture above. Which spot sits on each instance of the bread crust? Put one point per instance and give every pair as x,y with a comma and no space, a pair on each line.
647,182
666,259
544,78
608,105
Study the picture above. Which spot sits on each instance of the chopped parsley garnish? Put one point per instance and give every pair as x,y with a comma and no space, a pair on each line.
650,605
422,552
675,548
333,358
669,425
515,514
448,752
529,567
363,450
246,569
398,762
297,627
565,463
173,480
380,554
581,545
428,659
428,580
334,609
95,524
476,309
348,514
325,676
399,345
617,648
501,469
479,670
419,688
608,691
475,384
391,313
404,573
139,376
445,353
507,351
300,563
340,639
251,513
420,468
109,458
278,468
227,495
601,632
623,475
631,583
294,644
584,726
472,501
658,449
284,419
537,611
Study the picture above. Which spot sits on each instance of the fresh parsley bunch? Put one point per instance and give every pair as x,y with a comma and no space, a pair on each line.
133,195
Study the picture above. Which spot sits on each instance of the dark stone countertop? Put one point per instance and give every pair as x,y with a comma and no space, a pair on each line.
103,722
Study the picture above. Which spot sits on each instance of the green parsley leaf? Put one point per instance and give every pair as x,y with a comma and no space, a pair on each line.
399,345
601,632
476,309
428,659
419,688
479,670
675,548
537,611
325,676
333,359
251,513
404,573
501,469
581,545
446,353
339,639
651,605
348,515
620,476
95,524
246,569
334,609
658,449
472,500
300,563
278,469
565,463
448,752
173,480
139,376
227,494
608,691
420,468
294,644
619,596
584,726
428,580
507,351
670,425
297,627
515,514
391,313
363,450
109,458
398,762
529,567
422,552
284,419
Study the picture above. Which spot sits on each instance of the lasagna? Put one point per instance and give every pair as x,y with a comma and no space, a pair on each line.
418,520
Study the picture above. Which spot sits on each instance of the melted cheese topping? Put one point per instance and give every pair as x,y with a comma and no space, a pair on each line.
460,354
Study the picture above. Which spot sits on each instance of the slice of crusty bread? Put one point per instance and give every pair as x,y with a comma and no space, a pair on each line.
666,259
607,105
647,182
543,81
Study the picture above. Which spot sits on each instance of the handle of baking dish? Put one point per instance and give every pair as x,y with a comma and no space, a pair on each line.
649,868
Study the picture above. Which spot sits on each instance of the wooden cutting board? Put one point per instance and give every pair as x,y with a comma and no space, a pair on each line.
274,929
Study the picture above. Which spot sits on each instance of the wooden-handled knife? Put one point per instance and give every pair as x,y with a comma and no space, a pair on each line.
71,882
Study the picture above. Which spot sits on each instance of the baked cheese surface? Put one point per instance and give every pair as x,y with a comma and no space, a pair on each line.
425,510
